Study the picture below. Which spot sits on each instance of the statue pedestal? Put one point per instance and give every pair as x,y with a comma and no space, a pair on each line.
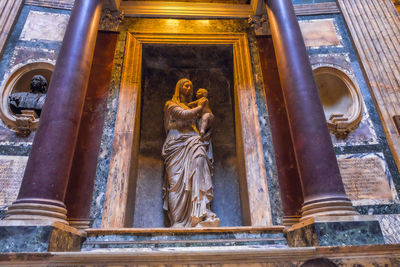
150,238
38,236
335,231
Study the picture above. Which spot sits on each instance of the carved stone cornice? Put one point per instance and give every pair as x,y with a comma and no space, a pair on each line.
110,19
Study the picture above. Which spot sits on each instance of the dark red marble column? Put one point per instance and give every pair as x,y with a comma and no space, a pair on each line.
46,176
289,180
322,186
81,182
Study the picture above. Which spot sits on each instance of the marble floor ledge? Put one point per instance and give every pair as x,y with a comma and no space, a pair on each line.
250,254
116,231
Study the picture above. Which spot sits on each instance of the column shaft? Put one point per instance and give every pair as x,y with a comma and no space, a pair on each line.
81,182
47,172
322,186
289,180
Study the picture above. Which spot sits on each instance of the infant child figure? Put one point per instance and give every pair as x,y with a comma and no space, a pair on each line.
206,114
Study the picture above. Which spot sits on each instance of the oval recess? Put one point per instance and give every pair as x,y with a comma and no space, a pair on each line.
341,100
19,81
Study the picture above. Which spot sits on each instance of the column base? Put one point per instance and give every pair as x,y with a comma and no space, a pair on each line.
37,209
38,236
340,207
80,224
288,221
335,231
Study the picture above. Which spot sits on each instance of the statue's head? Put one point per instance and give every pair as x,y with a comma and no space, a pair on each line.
38,84
184,88
201,93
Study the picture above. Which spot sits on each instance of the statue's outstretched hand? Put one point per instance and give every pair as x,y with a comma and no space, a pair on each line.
202,102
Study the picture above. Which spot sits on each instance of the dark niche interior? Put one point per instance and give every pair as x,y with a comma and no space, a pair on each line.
209,67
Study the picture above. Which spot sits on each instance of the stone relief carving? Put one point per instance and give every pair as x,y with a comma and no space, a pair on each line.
110,19
188,159
260,24
341,100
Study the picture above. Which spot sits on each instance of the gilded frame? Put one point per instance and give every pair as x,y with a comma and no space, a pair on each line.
120,195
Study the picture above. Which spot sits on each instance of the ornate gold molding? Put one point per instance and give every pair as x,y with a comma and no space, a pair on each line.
213,10
123,165
190,9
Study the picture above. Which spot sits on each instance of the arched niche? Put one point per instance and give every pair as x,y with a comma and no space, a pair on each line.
341,100
19,81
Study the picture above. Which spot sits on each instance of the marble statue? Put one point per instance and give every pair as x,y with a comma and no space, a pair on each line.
32,100
207,116
188,189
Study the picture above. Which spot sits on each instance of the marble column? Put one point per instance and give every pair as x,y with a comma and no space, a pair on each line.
47,173
289,180
81,182
322,186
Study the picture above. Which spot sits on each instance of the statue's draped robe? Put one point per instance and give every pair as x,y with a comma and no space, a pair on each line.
188,188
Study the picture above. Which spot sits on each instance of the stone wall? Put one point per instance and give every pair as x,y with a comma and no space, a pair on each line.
38,34
36,37
364,155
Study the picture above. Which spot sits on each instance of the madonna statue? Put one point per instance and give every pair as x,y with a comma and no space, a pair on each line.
188,189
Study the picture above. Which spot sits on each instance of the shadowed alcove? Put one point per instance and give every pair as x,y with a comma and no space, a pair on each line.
207,66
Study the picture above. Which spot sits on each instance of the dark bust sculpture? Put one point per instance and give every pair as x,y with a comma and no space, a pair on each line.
27,106
32,100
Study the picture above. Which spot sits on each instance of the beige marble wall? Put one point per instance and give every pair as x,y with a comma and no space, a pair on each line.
9,10
321,32
37,27
375,29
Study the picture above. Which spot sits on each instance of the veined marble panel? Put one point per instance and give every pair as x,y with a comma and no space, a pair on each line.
321,32
390,225
11,172
367,179
44,26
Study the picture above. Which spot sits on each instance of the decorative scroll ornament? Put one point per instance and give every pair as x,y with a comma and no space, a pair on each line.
111,19
25,123
260,24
